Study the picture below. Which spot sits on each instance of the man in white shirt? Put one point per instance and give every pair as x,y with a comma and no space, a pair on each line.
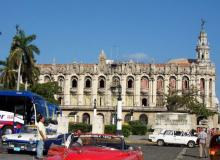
41,132
202,143
74,139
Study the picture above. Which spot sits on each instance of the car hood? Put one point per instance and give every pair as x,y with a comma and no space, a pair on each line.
94,153
20,137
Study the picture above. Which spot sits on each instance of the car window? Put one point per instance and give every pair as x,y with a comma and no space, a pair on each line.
177,133
168,132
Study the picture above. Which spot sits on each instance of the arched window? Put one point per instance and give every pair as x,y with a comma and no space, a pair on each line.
127,118
88,82
185,83
144,119
86,118
101,82
130,82
202,84
210,87
160,84
172,83
144,102
74,83
144,83
102,116
46,79
61,82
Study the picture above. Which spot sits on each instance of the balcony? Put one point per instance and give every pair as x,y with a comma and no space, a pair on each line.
87,90
73,90
101,90
130,91
144,91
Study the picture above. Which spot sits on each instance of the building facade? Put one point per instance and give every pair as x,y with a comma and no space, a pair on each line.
143,86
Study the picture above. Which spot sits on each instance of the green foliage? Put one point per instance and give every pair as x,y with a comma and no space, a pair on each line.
46,90
82,126
126,130
110,129
138,127
187,101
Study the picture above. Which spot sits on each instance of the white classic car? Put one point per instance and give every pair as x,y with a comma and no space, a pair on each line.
27,140
173,137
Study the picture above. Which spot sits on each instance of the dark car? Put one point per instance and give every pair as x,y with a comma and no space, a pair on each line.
214,147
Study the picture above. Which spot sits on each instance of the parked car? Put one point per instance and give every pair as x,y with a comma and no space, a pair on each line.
214,147
173,137
94,147
27,140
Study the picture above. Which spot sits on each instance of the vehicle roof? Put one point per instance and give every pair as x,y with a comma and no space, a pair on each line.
28,94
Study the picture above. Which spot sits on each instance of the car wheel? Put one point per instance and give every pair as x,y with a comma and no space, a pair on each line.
191,144
160,142
7,130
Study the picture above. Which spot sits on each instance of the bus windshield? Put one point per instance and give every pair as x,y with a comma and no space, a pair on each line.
23,102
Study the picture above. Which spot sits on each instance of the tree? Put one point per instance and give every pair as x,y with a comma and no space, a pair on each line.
8,75
187,101
22,53
47,90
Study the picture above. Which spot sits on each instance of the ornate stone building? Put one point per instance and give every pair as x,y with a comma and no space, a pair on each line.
143,86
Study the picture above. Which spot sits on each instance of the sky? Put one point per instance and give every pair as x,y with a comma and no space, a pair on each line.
143,30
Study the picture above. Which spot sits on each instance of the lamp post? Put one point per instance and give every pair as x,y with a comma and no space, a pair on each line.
94,117
119,111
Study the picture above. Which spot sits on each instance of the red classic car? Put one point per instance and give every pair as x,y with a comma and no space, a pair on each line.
95,147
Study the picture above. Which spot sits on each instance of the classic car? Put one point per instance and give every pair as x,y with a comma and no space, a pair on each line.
173,137
27,140
214,147
96,146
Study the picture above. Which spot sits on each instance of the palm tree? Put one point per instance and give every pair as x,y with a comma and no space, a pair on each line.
22,53
8,76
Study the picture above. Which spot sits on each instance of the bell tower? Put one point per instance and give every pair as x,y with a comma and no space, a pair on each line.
202,48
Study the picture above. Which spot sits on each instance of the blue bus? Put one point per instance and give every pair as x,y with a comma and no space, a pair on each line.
18,108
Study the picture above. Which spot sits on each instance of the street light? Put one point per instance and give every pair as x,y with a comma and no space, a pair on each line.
119,111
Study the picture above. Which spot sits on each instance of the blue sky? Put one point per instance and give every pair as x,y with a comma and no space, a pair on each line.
76,30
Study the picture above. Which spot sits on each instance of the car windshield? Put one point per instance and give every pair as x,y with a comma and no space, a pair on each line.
102,140
29,129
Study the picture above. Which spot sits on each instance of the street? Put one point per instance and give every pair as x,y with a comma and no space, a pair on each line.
151,152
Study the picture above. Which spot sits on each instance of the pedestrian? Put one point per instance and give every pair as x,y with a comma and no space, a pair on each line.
74,139
202,136
41,130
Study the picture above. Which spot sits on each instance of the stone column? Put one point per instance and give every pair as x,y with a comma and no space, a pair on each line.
137,91
124,87
94,88
67,90
154,91
207,92
166,84
179,83
80,90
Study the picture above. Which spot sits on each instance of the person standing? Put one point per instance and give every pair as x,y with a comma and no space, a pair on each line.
41,136
202,143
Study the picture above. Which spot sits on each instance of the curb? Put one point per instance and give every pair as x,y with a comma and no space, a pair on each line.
138,142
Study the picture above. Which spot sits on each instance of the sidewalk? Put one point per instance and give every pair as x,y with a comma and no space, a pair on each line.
137,139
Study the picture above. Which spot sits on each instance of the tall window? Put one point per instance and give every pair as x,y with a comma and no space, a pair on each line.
185,83
88,82
160,84
144,102
202,86
144,83
210,87
172,83
101,82
74,82
61,82
130,82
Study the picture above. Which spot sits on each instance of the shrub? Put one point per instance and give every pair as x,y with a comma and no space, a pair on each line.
110,129
126,130
138,128
82,126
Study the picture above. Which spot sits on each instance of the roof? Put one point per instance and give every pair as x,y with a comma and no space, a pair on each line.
19,93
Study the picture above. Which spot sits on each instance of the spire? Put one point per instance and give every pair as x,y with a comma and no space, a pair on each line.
202,47
102,57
